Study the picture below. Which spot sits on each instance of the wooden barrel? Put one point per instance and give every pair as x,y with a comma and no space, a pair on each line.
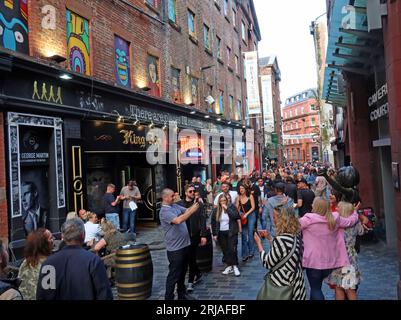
134,272
204,255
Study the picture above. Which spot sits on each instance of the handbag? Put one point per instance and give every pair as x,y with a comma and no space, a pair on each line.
244,220
270,291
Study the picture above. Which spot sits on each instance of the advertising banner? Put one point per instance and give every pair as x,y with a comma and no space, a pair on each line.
252,82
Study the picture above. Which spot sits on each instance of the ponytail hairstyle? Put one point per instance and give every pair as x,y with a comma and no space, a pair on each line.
345,209
322,207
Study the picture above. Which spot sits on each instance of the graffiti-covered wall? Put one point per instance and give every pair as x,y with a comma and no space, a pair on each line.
14,25
122,61
78,47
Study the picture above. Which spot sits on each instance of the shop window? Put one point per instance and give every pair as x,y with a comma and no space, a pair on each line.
153,76
172,10
122,62
78,48
175,85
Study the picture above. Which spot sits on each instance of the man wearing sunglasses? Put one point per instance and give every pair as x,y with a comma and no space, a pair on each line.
196,225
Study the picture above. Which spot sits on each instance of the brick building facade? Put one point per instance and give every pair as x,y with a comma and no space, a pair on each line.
87,79
301,127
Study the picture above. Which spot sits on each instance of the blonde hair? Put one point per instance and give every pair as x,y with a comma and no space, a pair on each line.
219,207
90,215
322,207
71,215
287,222
345,209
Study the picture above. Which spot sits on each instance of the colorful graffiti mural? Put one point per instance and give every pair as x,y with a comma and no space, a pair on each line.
78,49
14,25
175,85
153,76
122,62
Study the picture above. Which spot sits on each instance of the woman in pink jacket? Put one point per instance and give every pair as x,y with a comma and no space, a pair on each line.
324,246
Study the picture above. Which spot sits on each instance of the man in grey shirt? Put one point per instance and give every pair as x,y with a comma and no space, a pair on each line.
130,194
172,218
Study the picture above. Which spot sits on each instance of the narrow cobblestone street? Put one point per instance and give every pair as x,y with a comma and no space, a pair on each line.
378,266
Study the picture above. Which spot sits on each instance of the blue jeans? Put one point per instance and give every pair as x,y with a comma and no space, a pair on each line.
248,243
114,219
129,217
264,218
315,278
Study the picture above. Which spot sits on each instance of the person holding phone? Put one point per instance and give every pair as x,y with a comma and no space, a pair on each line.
225,228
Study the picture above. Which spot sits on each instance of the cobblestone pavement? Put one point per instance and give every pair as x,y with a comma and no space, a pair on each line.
378,265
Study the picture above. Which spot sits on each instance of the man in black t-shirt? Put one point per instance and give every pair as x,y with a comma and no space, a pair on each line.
305,197
110,205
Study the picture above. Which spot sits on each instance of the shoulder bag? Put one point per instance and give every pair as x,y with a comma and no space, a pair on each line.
269,291
244,220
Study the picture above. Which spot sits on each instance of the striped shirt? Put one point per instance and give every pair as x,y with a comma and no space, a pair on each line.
291,272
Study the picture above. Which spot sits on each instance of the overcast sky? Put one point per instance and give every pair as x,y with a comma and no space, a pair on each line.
284,25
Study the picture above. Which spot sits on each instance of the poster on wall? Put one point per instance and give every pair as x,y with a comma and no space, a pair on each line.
14,25
153,76
194,90
252,82
122,62
78,48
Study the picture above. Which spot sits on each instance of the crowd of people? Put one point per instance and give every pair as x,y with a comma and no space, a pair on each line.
310,229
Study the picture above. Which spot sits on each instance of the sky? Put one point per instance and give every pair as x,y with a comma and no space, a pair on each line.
284,26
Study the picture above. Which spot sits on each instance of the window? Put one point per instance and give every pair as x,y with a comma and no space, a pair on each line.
209,89
228,56
175,85
302,110
299,153
243,32
191,23
290,113
218,47
234,18
239,110
206,38
194,90
122,62
236,64
78,48
153,3
172,10
221,103
313,121
312,107
296,125
231,106
153,76
296,112
226,8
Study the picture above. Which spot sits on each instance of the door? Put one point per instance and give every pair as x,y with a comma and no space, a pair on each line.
144,178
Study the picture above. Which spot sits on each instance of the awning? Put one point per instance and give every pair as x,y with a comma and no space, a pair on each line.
351,48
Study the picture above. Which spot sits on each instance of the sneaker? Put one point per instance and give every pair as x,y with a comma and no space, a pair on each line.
198,279
236,271
245,259
190,287
228,270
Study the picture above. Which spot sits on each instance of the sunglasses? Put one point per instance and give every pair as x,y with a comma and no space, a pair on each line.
191,191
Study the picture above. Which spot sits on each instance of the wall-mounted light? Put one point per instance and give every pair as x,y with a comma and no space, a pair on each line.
164,128
57,58
152,125
119,117
65,76
191,104
145,88
229,122
193,112
207,116
218,119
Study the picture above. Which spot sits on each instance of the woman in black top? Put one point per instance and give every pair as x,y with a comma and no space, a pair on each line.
246,207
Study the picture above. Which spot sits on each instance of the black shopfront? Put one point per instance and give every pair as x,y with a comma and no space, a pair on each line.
73,137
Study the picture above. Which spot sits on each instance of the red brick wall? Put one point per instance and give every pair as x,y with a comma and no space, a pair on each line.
3,190
304,127
174,48
392,45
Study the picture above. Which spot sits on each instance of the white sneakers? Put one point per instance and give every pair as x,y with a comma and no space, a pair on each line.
190,287
232,269
228,270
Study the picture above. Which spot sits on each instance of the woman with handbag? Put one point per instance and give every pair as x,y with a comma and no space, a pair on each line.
225,228
285,279
246,206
